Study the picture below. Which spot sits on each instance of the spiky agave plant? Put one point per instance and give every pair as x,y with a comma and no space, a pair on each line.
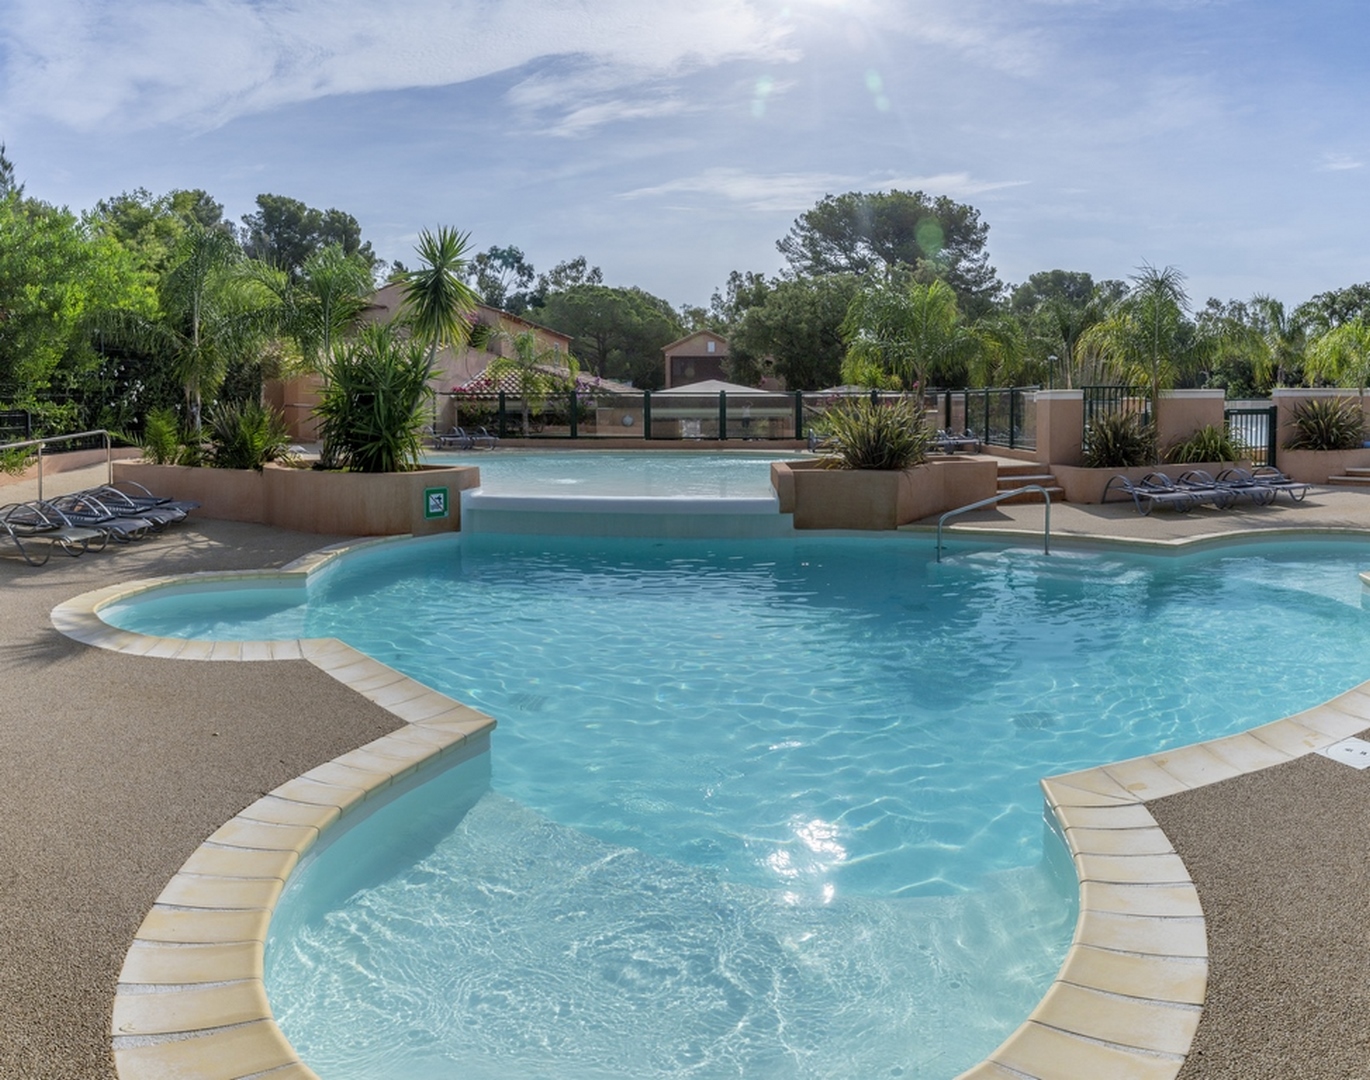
372,409
1119,440
870,435
1327,424
1211,443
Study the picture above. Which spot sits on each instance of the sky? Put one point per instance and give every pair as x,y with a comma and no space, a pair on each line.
673,142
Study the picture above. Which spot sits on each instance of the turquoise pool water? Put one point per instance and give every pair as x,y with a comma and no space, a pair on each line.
754,809
674,473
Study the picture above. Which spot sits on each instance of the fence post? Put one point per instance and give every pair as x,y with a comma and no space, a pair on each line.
646,414
722,415
503,429
799,414
575,408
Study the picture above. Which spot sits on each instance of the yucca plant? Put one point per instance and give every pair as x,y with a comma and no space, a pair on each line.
1327,424
246,435
1211,443
867,435
1119,440
372,410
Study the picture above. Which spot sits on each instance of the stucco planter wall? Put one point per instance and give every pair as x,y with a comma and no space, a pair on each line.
864,499
344,504
1315,466
1081,485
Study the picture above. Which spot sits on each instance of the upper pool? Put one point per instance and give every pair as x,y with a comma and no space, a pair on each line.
754,809
674,473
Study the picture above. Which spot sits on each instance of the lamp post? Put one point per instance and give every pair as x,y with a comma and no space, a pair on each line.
1051,371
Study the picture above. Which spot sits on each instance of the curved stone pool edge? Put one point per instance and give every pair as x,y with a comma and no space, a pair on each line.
191,1001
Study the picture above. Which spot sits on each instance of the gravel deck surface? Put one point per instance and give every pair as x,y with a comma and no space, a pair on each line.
116,767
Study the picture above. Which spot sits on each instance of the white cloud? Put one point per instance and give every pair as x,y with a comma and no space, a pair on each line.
780,192
94,63
1332,162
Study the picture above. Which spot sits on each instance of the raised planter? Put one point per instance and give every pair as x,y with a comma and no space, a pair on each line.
306,500
870,499
1316,466
1081,485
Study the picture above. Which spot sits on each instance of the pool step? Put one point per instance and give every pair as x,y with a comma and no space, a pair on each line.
1355,476
1012,477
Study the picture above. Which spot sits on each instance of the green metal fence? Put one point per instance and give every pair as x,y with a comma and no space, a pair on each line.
1254,429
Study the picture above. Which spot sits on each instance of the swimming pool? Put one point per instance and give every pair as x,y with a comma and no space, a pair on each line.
634,473
835,925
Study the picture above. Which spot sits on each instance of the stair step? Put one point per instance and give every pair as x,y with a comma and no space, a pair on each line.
1055,492
1354,480
1358,470
1019,469
1019,479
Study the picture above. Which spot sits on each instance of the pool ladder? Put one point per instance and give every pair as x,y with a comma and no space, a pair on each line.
995,499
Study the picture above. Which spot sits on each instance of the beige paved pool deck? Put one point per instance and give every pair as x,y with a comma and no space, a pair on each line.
118,767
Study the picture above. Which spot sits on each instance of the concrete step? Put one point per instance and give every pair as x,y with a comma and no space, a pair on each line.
1020,479
1358,470
1359,479
1020,469
1057,495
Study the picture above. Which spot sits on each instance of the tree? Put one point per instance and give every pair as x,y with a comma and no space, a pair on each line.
502,275
797,327
437,301
60,282
1327,309
886,232
150,226
1341,355
331,294
538,369
1147,336
619,333
1276,341
744,291
284,232
1056,307
907,335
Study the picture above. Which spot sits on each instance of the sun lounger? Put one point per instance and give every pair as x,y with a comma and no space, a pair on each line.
1204,493
482,439
85,511
1147,497
945,442
1270,477
1233,487
25,523
141,497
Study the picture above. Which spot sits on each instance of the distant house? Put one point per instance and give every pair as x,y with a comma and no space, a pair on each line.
297,398
696,358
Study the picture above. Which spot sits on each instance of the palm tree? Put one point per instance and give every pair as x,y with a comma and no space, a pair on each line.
330,295
438,302
1342,355
1275,342
1147,336
902,335
538,369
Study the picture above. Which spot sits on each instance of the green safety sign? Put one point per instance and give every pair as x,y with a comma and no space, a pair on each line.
435,502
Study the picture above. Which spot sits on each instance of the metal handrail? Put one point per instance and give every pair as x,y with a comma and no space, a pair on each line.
40,443
992,500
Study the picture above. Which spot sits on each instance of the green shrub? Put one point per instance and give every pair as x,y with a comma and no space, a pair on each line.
372,413
1327,424
1211,443
1119,440
162,443
15,460
246,435
866,435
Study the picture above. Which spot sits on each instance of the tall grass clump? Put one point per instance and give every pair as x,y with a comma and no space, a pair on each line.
869,435
372,408
1119,440
1211,443
1327,424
